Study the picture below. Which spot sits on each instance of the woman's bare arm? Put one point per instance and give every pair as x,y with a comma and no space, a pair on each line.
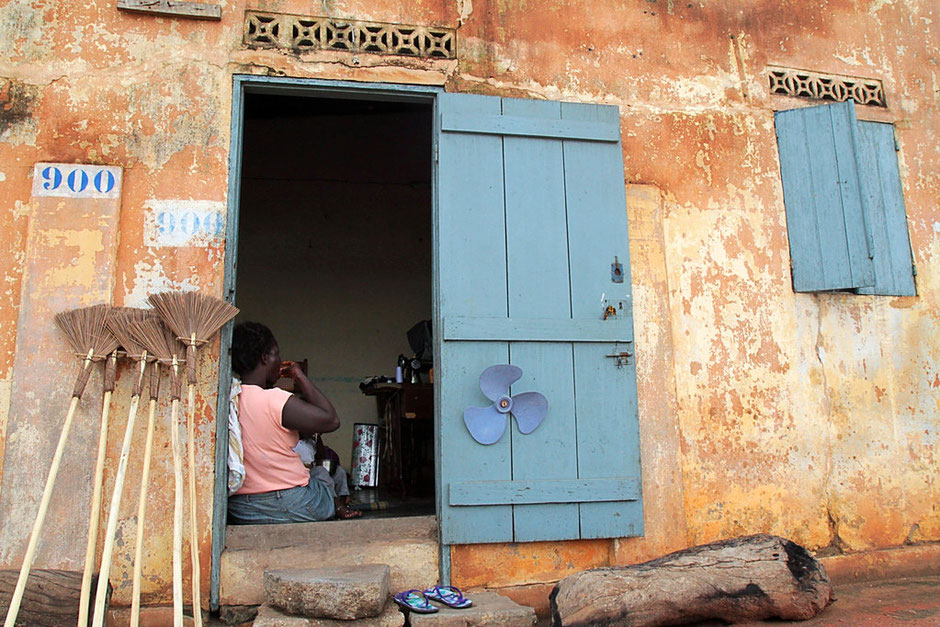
308,411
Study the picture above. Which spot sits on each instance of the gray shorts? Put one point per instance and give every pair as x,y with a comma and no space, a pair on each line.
309,503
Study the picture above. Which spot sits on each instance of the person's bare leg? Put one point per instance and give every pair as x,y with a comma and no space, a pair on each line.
341,485
341,489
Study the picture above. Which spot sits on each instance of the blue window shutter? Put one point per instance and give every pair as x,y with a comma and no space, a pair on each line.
830,245
530,214
884,208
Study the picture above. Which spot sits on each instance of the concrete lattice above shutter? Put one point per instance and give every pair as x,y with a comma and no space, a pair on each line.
830,87
299,33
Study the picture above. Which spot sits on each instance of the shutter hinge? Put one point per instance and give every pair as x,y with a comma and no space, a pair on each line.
437,152
914,269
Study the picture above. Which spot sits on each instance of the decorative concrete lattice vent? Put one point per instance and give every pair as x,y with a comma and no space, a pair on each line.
817,86
299,33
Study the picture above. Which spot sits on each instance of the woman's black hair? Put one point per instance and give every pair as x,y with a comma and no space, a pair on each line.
250,341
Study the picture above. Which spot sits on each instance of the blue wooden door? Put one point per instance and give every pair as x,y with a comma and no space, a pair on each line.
530,249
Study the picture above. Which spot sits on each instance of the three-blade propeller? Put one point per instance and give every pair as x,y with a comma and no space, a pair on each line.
487,424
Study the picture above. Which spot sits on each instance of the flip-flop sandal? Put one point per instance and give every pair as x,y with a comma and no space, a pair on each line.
414,601
449,596
347,513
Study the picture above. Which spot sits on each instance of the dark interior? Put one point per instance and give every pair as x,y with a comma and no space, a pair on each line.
334,255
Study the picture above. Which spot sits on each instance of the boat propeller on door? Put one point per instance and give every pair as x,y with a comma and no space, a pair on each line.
487,424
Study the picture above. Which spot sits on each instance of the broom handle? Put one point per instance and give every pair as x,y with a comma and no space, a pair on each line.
193,534
141,513
102,591
93,519
177,508
17,597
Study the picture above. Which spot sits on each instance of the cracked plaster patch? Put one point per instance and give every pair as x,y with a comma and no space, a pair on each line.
150,278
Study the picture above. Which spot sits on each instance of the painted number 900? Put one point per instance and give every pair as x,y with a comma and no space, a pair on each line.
190,223
77,180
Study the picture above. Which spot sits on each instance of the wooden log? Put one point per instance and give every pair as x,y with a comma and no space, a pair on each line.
751,578
50,597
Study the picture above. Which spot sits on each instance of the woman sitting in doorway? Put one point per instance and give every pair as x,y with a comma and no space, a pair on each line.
277,487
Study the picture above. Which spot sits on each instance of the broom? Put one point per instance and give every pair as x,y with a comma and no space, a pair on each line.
92,545
162,343
121,318
86,332
195,318
118,326
148,332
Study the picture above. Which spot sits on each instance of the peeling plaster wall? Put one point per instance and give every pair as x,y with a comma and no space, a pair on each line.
810,416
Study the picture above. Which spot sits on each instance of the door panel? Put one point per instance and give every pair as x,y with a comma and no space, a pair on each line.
530,216
608,431
536,230
472,253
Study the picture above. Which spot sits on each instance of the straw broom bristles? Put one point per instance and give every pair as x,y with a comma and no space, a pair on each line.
86,331
195,318
161,342
119,324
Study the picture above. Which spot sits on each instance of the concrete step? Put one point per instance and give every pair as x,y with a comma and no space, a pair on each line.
343,592
409,545
489,608
272,617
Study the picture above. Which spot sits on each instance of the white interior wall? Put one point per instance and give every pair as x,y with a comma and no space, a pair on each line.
334,241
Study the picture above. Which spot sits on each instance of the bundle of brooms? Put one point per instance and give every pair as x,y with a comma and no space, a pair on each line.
87,332
195,318
96,333
116,323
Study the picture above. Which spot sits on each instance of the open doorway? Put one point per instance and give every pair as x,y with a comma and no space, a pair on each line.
334,255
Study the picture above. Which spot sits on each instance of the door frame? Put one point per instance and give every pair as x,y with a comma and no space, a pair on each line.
243,85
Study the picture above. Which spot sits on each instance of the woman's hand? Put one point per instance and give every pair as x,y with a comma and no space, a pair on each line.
291,370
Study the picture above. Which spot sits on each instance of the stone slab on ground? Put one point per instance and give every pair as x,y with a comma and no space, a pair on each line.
489,608
272,617
343,592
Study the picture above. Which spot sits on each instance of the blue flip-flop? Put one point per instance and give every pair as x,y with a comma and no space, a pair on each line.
414,601
449,596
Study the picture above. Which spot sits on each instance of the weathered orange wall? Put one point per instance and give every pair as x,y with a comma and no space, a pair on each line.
810,416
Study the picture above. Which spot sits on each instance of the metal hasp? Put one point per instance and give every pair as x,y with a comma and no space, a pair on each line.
487,424
616,271
193,10
622,357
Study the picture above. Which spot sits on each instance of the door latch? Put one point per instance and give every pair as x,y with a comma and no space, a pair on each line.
622,357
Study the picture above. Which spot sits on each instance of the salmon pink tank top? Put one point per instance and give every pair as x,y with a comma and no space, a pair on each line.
270,462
